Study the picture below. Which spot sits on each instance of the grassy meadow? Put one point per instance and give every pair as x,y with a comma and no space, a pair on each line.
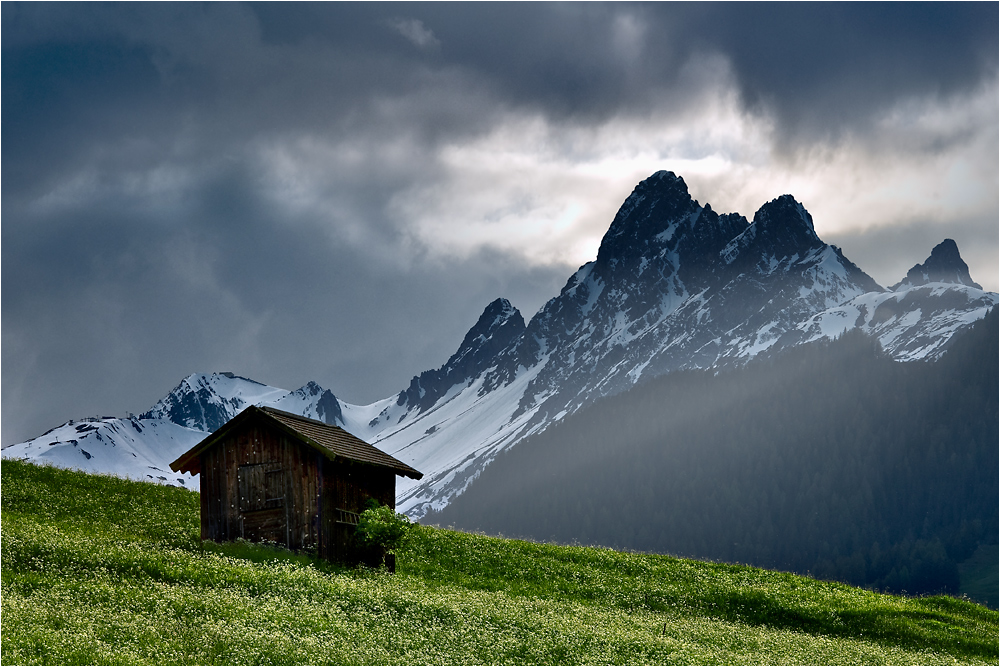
101,570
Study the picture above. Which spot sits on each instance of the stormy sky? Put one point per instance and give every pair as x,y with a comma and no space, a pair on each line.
334,192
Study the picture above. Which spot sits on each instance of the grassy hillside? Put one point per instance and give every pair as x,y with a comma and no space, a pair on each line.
102,570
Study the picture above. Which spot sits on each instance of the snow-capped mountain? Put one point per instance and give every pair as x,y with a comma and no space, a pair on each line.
917,317
206,402
945,265
139,449
142,447
674,285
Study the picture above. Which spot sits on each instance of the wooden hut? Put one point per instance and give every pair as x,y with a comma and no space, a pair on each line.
270,475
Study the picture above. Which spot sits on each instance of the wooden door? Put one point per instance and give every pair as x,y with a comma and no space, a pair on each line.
263,510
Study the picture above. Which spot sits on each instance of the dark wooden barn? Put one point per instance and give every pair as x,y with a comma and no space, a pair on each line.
270,475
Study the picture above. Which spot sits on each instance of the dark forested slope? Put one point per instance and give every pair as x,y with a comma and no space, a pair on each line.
830,459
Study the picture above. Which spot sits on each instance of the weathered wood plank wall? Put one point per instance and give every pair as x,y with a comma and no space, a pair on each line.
260,484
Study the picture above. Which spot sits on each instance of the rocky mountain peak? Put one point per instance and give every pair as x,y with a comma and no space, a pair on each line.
498,316
785,215
664,190
310,389
313,401
945,265
785,225
500,325
206,401
782,228
647,217
328,408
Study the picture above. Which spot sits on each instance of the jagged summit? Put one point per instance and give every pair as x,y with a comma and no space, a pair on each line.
661,225
498,317
206,401
652,206
945,265
500,325
785,224
782,229
314,402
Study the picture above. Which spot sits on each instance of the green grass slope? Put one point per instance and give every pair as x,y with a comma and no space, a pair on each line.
101,570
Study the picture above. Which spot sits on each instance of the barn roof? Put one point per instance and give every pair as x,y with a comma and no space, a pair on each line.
331,441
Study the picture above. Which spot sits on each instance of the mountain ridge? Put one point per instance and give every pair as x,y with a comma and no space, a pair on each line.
674,286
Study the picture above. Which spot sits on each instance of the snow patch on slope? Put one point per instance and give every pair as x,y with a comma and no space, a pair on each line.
131,448
911,324
443,443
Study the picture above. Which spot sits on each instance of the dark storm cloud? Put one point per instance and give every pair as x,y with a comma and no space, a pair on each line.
818,65
124,305
78,77
195,187
815,65
830,65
